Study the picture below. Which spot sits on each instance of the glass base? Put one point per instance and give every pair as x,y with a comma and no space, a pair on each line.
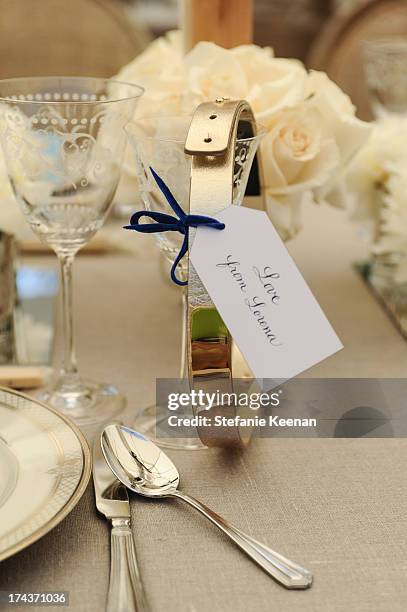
145,423
383,277
85,402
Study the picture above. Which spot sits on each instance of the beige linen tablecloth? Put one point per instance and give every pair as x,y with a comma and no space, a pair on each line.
339,507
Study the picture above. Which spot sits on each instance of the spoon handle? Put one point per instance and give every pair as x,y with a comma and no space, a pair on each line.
289,574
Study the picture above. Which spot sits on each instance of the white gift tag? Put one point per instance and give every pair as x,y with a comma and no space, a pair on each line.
261,296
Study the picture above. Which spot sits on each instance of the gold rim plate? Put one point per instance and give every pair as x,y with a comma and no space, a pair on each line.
45,466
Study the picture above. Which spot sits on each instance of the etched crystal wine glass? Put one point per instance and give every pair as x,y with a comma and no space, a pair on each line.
159,142
63,139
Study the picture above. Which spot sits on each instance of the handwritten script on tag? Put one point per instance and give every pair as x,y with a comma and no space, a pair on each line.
262,297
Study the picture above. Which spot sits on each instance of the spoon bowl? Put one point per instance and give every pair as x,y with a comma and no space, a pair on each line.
145,469
138,463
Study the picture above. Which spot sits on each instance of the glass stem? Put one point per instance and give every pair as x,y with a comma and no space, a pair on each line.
184,357
69,368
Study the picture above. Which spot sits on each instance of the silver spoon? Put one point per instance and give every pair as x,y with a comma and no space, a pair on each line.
145,469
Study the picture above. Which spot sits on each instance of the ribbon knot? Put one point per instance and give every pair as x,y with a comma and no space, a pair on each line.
167,223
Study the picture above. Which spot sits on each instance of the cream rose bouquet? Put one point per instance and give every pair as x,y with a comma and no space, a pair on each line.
312,131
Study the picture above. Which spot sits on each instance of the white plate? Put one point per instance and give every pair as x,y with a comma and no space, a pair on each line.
45,466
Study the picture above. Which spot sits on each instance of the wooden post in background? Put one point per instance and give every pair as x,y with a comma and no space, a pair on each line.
227,23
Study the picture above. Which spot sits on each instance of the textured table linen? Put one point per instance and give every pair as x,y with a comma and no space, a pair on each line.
339,507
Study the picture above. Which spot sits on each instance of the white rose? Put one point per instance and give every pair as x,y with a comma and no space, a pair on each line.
273,83
162,55
338,116
338,113
160,70
297,153
212,72
285,88
177,84
254,61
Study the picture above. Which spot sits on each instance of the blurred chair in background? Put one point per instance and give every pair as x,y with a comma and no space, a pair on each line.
339,5
67,37
289,26
339,48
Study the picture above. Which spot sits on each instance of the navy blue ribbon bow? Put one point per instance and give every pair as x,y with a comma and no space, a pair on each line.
166,223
